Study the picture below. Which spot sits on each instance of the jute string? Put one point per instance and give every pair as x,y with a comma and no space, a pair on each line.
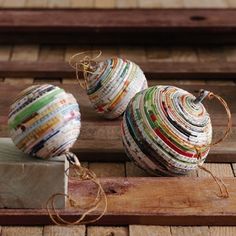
81,174
206,94
82,62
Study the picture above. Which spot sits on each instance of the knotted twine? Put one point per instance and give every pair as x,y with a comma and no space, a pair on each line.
80,174
85,64
209,95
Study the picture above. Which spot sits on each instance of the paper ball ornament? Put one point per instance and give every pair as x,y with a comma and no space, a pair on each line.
112,84
44,121
162,128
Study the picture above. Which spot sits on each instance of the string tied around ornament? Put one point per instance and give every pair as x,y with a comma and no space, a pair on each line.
82,62
82,174
210,95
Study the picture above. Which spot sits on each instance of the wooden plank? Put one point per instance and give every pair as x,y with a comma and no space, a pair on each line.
103,138
113,151
50,53
25,81
148,4
82,3
126,4
226,231
25,53
214,108
107,169
104,4
13,3
128,203
152,69
220,82
22,231
230,53
36,3
193,231
231,3
220,170
108,231
58,4
64,231
144,230
171,3
205,4
234,168
53,53
5,52
133,170
161,54
135,54
28,182
71,50
168,26
107,52
184,54
211,54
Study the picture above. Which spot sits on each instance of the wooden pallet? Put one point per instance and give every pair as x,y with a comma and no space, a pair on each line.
131,230
132,26
127,193
181,207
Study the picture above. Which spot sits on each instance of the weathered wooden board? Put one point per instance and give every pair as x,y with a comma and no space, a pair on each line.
156,201
89,115
103,137
109,26
22,231
27,182
53,230
152,69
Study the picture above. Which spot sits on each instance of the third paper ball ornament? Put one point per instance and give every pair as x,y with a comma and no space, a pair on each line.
111,84
162,128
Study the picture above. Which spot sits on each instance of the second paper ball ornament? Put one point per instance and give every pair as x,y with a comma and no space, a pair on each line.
111,84
163,127
44,121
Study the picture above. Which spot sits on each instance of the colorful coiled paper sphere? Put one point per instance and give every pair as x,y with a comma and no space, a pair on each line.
166,131
110,84
44,121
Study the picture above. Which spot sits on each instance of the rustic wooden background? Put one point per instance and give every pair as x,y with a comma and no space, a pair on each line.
120,3
161,54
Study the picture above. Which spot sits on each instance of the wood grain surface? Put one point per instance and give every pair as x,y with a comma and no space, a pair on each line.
154,70
170,201
108,26
103,137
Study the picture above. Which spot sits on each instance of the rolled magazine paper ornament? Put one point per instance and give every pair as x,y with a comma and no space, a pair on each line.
110,84
167,131
44,121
